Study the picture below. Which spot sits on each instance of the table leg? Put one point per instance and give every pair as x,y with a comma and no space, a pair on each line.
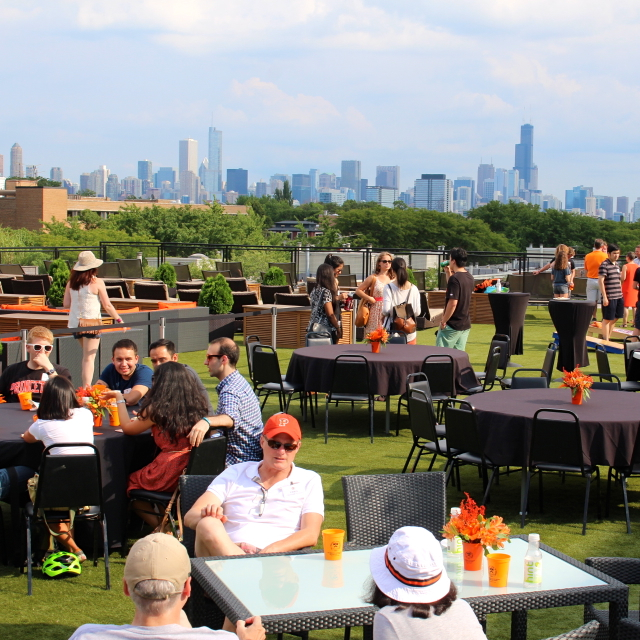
617,611
367,632
387,417
519,625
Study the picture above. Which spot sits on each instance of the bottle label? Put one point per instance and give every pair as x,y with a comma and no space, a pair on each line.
532,571
455,545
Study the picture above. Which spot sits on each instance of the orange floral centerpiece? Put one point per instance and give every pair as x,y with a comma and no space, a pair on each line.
2,399
477,532
578,382
91,398
377,337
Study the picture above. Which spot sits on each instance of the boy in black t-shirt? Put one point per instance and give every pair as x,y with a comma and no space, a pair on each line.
456,322
32,374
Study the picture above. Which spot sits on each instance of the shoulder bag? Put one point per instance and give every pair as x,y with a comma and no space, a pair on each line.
404,321
362,317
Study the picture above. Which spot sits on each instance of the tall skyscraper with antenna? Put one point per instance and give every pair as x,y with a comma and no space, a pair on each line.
16,168
524,158
215,158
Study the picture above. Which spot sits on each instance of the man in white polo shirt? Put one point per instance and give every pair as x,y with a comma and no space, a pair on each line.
261,507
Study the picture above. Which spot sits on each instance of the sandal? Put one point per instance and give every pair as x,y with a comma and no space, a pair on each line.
381,398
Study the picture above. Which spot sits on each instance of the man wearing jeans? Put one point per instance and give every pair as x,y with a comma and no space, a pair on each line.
456,322
592,262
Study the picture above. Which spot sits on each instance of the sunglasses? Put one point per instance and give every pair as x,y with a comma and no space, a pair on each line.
39,347
289,446
386,261
214,355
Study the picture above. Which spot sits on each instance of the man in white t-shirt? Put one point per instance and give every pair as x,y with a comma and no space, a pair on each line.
261,507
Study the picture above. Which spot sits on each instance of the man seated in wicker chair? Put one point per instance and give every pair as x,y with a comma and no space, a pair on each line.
261,507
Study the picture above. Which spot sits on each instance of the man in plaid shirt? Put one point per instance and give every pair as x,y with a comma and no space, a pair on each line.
238,409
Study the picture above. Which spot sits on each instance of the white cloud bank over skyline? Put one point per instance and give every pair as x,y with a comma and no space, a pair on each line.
299,84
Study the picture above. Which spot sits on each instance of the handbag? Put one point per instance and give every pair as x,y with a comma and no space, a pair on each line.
404,321
89,322
317,327
362,317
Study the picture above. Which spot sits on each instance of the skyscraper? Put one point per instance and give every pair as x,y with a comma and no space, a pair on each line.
327,181
261,189
238,181
98,180
485,172
513,185
132,186
576,198
32,171
465,181
313,184
350,176
606,204
301,187
145,170
84,181
165,174
1,165
388,177
385,196
215,157
434,192
113,187
55,174
524,158
16,168
622,204
188,155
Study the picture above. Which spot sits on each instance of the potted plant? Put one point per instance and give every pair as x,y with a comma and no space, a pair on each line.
578,382
167,274
59,272
216,295
274,276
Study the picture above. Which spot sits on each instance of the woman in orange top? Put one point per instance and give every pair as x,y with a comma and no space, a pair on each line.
629,294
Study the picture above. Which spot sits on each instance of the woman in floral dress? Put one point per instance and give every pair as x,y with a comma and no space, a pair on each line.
382,277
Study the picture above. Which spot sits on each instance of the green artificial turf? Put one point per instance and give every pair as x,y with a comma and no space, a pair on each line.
57,608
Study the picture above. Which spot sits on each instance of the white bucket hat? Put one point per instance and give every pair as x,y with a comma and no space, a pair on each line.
86,261
410,568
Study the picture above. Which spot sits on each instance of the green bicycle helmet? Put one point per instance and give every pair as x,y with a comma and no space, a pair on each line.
61,564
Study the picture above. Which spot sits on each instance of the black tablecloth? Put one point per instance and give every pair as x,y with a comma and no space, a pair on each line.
509,310
609,422
313,366
572,318
120,455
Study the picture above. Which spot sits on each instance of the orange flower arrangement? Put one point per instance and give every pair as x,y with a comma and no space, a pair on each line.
2,400
91,398
377,335
472,526
576,380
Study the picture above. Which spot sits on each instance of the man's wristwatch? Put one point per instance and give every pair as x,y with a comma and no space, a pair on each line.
51,371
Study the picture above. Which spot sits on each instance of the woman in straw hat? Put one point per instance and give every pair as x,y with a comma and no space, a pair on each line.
415,596
84,294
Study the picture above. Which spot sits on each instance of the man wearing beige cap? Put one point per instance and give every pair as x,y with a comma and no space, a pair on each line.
157,579
261,507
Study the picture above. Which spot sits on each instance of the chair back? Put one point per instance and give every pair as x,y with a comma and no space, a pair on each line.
607,382
212,274
311,285
347,280
397,338
182,272
241,298
191,488
294,299
118,282
632,369
504,342
154,291
196,285
268,292
209,458
12,269
528,382
420,277
350,375
249,343
130,268
556,440
588,631
377,505
346,269
58,485
440,373
318,339
549,360
266,366
234,267
237,284
28,287
189,295
461,428
602,359
114,292
45,278
110,270
492,369
421,414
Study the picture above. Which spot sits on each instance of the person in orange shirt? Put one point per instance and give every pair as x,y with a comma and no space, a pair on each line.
592,262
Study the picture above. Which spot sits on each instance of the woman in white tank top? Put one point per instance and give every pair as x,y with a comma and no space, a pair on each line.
83,296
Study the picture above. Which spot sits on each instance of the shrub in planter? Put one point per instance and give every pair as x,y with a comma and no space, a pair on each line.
275,276
59,272
412,278
167,274
216,294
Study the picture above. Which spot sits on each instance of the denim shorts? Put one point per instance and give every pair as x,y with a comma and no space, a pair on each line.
561,289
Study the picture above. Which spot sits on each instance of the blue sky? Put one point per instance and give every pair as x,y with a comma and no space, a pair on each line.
298,84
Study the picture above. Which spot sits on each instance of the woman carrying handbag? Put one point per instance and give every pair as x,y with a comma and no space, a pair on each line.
400,300
371,292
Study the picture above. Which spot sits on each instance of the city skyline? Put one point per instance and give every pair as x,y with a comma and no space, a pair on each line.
461,78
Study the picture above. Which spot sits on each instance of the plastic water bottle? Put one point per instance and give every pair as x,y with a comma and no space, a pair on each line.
499,286
455,544
533,562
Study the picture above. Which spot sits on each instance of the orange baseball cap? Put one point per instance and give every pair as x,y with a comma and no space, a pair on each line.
282,423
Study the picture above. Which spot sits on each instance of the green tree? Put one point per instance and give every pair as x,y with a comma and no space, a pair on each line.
274,276
59,272
45,182
167,274
90,219
87,193
216,294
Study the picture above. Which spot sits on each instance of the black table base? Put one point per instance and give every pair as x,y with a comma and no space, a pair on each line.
509,310
572,318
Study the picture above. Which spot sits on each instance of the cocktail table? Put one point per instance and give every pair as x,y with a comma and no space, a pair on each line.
302,591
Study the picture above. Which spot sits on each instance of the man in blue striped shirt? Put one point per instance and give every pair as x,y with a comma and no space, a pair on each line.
238,411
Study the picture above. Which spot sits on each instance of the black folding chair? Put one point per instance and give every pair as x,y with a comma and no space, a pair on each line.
547,366
191,488
631,364
555,445
504,342
249,342
621,473
71,482
491,374
349,383
609,382
604,369
529,382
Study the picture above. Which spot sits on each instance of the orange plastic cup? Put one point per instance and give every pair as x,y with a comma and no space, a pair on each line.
332,577
498,569
114,416
25,400
332,541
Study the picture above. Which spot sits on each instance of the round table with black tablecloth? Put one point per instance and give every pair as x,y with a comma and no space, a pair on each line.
120,455
609,422
312,367
572,318
509,310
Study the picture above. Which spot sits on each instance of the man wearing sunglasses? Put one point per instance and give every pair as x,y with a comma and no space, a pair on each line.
261,507
32,374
